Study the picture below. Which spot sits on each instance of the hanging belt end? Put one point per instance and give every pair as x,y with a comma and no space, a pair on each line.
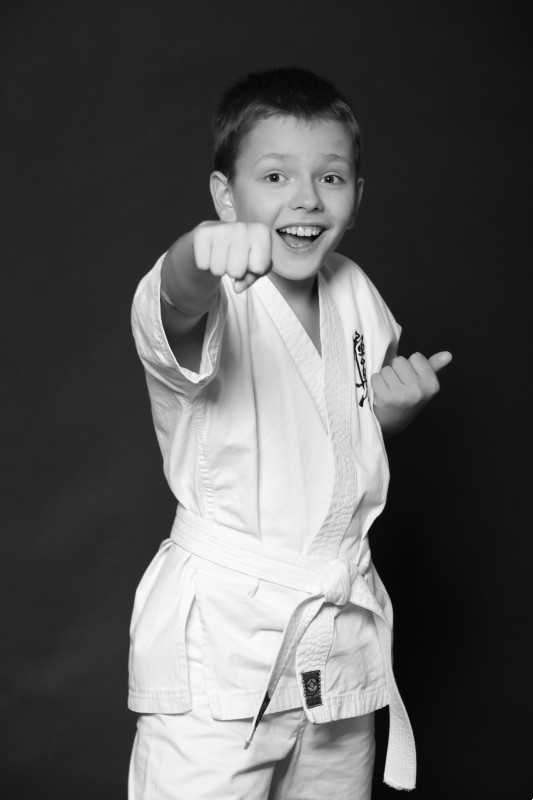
248,740
402,788
401,775
257,720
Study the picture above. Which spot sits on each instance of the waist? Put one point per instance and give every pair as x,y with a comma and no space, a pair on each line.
335,581
246,554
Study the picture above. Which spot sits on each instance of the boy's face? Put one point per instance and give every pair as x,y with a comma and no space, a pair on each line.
299,179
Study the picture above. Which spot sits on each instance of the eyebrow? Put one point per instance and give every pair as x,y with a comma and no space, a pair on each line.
342,159
275,157
331,157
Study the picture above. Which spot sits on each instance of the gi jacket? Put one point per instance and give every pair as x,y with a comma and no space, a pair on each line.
273,443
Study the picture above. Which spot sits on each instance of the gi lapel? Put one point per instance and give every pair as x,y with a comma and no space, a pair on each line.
339,396
298,343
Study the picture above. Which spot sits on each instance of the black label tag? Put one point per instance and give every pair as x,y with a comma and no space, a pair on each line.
312,688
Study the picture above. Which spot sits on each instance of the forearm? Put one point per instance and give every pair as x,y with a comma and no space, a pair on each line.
191,291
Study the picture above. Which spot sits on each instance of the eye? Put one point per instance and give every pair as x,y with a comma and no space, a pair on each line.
332,179
274,177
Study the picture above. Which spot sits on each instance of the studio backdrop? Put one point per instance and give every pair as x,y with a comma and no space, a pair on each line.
106,158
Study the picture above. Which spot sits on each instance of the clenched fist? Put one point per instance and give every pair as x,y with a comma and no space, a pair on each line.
239,249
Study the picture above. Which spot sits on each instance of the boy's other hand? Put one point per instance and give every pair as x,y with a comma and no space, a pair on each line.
404,386
241,250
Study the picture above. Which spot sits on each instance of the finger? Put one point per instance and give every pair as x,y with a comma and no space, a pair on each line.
426,375
379,387
219,257
440,360
422,367
391,379
260,257
202,252
240,284
237,262
404,370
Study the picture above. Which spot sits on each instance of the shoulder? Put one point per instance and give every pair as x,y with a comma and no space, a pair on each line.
359,302
345,276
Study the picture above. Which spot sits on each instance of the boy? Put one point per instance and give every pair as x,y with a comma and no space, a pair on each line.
262,617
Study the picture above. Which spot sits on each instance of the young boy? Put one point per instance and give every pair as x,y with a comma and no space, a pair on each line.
261,633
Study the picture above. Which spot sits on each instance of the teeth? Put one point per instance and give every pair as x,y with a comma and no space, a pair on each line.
300,230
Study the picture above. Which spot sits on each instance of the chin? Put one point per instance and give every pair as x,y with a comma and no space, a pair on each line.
297,268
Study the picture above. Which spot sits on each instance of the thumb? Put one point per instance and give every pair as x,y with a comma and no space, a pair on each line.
440,360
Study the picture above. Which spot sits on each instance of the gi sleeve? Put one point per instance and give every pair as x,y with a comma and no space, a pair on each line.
367,312
391,330
381,324
153,346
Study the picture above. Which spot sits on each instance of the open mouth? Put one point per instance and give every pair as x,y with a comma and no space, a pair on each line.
300,236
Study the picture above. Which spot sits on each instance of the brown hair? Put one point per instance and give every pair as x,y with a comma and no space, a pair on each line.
287,91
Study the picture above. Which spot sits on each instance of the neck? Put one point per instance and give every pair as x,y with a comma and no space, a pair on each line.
302,297
296,293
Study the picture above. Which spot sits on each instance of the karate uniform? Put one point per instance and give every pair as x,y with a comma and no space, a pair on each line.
279,467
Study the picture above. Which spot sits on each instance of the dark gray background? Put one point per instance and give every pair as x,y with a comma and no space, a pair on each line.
106,158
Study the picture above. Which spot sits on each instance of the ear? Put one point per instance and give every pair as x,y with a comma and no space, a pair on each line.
358,197
221,194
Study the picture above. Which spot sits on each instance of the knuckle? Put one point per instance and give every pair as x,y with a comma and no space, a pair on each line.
205,230
233,271
417,361
237,268
198,238
201,227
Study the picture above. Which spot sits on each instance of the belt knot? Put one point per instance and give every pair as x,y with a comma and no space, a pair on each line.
336,583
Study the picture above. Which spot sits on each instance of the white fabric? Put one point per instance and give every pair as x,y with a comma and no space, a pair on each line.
338,582
195,757
270,441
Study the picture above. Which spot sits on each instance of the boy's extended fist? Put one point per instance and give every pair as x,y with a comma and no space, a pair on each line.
241,250
404,386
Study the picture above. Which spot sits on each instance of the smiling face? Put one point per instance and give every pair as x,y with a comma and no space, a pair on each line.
298,178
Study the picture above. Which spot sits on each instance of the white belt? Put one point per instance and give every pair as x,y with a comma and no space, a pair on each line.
338,582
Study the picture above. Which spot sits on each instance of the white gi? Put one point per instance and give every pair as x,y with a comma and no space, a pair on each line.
279,467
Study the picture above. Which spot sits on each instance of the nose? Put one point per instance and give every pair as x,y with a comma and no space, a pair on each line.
305,196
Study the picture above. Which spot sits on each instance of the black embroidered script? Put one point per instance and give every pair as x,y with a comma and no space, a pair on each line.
360,365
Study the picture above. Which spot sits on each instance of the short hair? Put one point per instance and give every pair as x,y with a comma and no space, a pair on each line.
286,91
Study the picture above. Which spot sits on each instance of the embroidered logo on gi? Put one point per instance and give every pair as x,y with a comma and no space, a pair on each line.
312,688
360,365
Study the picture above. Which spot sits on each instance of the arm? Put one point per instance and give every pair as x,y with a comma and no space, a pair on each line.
191,273
404,387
